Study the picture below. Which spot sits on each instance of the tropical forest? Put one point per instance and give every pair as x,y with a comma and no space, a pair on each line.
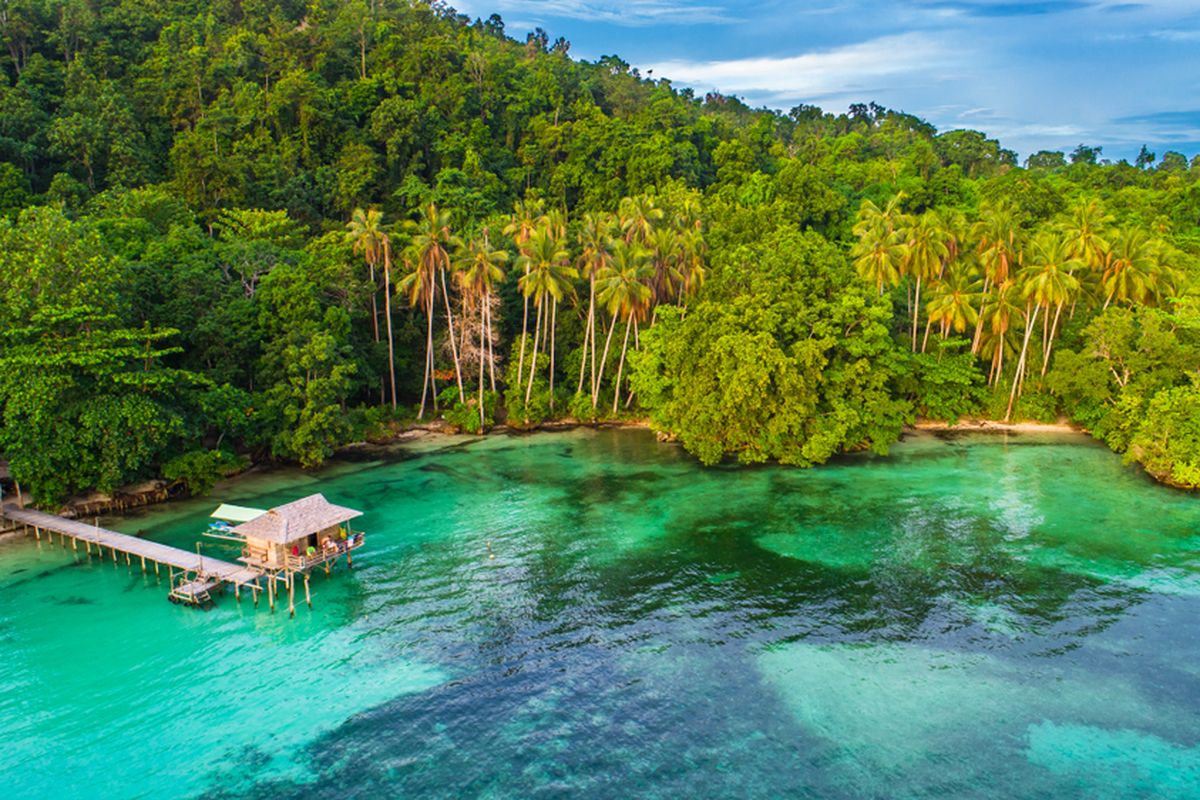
236,232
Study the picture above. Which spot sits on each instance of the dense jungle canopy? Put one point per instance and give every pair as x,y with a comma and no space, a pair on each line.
264,229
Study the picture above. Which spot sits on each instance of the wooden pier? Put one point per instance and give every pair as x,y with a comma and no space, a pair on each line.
131,547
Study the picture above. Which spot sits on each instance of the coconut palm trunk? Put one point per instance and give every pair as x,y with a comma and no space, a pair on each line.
621,366
916,314
387,303
553,333
612,326
1050,339
524,337
589,335
537,329
1018,377
482,352
453,347
428,356
491,352
978,339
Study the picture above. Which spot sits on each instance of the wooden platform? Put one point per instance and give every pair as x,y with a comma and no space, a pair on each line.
194,593
204,567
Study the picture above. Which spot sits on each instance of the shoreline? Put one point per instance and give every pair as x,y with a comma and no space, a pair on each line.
150,493
995,426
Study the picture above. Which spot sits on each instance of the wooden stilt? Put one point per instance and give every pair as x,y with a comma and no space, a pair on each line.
156,569
254,591
291,598
307,595
37,532
349,560
143,565
271,593
128,561
75,544
237,594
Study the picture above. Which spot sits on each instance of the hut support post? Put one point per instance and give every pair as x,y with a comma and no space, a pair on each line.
307,595
291,598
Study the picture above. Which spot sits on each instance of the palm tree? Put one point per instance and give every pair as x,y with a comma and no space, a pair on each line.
481,271
624,293
878,254
1000,309
925,251
420,285
547,273
998,249
953,303
638,215
366,233
888,218
1131,268
594,257
666,248
433,243
524,221
1083,232
691,264
1046,282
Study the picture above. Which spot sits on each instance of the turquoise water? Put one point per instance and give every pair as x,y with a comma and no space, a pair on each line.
592,613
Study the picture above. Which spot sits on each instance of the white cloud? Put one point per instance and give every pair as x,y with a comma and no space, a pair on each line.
856,71
629,12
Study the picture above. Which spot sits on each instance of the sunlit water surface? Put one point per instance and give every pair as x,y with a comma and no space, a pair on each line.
976,616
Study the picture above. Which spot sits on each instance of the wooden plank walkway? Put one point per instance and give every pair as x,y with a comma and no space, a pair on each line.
206,566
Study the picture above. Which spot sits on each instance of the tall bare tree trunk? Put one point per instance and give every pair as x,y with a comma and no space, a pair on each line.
916,314
589,334
462,398
925,340
978,340
621,367
612,326
553,331
537,329
524,337
387,304
482,353
1018,378
491,352
1050,340
428,355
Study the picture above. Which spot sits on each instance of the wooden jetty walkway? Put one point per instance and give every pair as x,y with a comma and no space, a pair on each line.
133,547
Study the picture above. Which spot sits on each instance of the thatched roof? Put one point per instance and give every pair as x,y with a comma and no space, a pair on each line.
296,520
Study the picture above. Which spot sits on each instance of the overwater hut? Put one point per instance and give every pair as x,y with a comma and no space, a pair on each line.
296,536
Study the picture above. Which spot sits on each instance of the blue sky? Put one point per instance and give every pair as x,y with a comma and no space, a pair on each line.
1038,75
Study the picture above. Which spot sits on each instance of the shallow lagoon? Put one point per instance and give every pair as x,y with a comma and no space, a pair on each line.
981,615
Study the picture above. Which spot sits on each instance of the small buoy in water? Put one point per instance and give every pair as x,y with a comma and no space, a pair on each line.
490,553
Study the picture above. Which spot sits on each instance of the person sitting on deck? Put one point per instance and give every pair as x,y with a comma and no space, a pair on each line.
296,550
312,551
